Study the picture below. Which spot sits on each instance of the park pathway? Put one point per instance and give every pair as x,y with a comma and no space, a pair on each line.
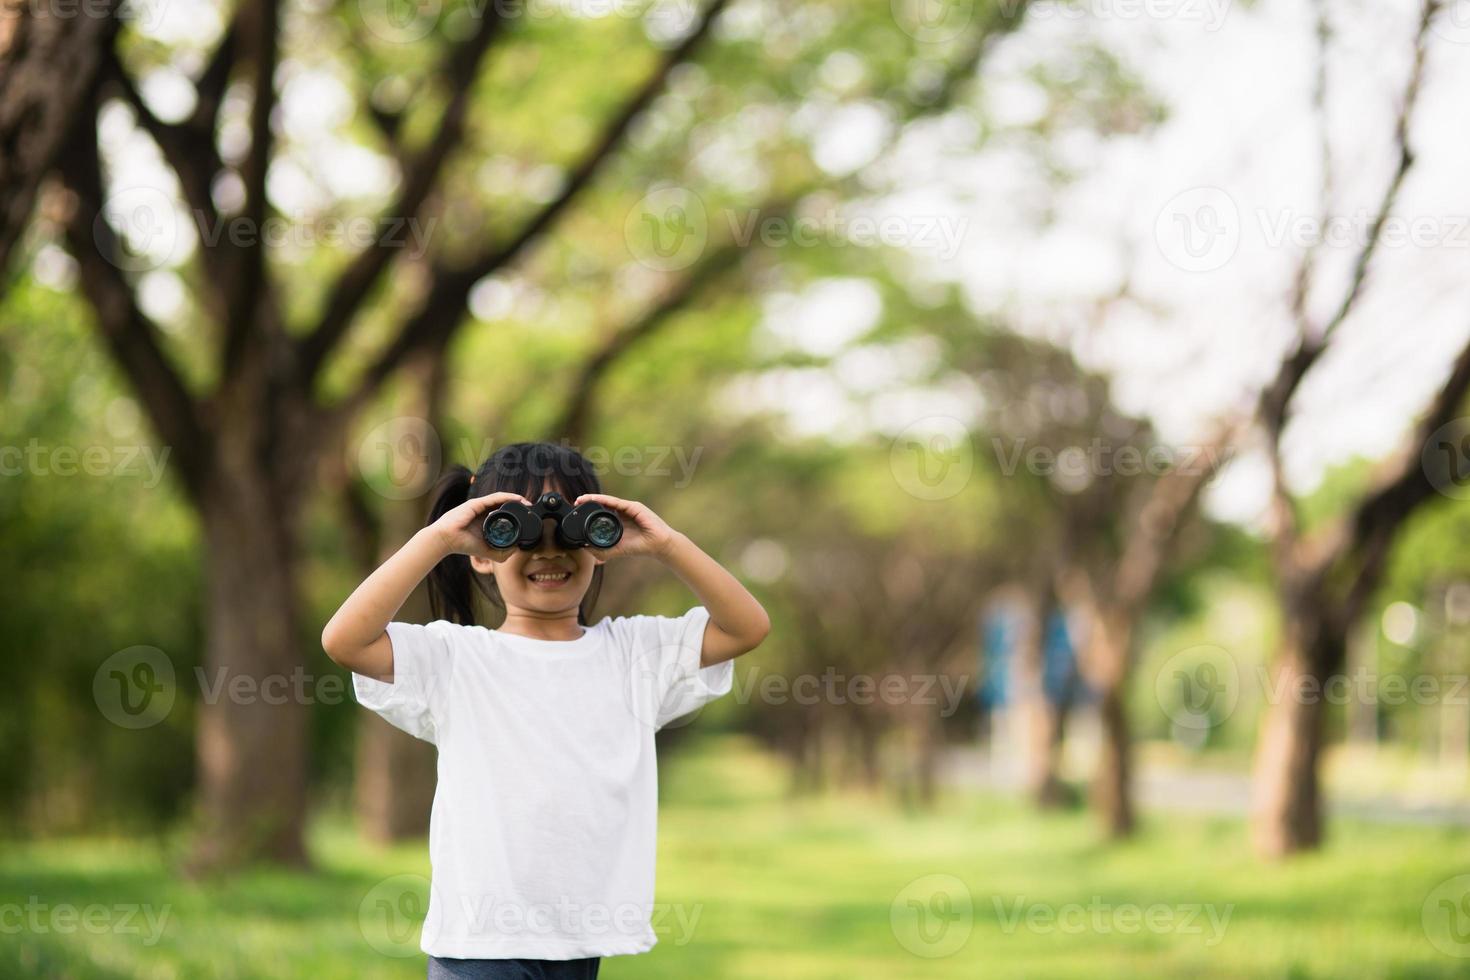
1166,789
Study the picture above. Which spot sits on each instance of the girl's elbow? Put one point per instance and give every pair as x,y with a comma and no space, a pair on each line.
761,630
335,649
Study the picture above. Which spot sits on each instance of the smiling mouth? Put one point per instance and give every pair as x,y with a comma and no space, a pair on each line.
550,580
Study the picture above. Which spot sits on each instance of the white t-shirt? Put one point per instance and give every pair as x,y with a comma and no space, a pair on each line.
542,836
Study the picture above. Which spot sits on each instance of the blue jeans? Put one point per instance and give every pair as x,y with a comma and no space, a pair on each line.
443,968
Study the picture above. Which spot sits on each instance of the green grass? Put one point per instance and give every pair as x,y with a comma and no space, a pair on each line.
768,887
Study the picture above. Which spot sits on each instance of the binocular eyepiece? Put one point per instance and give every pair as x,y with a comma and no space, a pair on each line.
587,525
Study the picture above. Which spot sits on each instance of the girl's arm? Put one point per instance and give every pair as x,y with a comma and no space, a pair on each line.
356,636
737,621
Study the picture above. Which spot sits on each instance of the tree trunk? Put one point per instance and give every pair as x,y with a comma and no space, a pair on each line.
1044,735
394,783
252,734
48,61
1112,787
395,772
1287,809
1105,663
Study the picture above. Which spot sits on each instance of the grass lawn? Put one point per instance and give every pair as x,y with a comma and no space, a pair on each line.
758,886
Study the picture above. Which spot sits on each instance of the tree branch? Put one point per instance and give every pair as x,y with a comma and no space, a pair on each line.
1302,286
420,175
443,310
1002,18
1413,479
210,89
578,411
192,158
1276,397
1405,154
245,287
1170,498
575,417
131,337
48,62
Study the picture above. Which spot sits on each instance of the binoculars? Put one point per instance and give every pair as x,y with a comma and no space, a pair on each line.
587,525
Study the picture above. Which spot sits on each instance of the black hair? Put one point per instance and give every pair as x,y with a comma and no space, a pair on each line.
520,467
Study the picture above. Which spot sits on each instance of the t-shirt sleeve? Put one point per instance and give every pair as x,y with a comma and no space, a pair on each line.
668,681
423,662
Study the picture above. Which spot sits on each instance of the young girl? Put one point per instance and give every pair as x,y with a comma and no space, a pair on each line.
542,831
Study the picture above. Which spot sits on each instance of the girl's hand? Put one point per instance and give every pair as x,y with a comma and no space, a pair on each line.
461,532
644,532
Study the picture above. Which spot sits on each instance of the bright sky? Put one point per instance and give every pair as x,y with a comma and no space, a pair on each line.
1236,168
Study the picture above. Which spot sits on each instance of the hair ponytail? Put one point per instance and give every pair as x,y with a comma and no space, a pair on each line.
451,581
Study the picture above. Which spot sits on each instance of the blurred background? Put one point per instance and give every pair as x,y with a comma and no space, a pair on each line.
1081,385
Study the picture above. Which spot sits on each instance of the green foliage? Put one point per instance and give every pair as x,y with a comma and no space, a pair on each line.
814,888
89,514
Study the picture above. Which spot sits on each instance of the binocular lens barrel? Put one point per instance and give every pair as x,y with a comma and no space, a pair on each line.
604,530
513,524
502,532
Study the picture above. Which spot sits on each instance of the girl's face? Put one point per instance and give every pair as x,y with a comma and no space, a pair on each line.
548,579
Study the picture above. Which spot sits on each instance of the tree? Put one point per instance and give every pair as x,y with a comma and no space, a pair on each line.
1112,591
1326,578
248,443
